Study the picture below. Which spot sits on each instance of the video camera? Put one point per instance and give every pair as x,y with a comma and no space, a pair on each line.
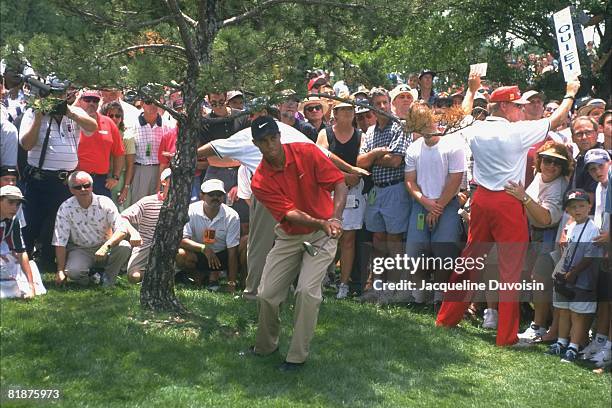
40,89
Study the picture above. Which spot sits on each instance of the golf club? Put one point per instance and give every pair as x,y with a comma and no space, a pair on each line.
313,250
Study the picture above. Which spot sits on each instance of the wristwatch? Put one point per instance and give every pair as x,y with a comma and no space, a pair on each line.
526,200
115,177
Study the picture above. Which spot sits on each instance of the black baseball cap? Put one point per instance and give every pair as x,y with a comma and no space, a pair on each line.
575,194
9,171
263,126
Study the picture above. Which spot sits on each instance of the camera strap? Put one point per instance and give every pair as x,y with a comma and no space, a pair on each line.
43,152
577,243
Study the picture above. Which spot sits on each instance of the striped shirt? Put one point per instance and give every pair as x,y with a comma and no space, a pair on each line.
143,216
63,141
147,139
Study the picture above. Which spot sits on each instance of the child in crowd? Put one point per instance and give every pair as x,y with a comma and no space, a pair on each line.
575,278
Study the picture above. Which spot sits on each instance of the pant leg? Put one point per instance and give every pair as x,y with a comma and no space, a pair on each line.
138,260
279,272
78,262
99,185
308,296
479,241
509,229
117,258
260,242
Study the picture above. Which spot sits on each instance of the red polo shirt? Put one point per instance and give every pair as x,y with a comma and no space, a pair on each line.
305,184
94,151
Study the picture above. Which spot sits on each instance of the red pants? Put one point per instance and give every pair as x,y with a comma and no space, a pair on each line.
496,217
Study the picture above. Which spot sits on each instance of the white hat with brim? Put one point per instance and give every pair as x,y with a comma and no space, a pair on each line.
212,185
11,192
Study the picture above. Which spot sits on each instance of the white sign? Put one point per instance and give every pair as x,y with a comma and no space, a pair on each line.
568,52
479,69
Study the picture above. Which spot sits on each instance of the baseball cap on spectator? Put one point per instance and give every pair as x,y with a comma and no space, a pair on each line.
165,174
8,171
233,94
403,88
530,94
212,185
11,192
427,71
597,156
361,90
577,194
317,82
361,109
263,126
91,93
508,94
343,105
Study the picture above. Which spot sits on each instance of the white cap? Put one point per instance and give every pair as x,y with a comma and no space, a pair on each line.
11,192
165,174
212,185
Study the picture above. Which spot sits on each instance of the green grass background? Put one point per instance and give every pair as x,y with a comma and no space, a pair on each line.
100,350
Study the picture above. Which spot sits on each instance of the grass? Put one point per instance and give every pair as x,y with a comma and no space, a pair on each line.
100,350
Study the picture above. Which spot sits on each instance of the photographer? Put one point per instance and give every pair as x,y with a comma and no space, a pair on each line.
50,134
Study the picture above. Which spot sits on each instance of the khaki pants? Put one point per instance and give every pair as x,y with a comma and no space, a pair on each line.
138,260
79,260
286,259
261,240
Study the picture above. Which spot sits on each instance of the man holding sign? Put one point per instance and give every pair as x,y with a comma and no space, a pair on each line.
499,145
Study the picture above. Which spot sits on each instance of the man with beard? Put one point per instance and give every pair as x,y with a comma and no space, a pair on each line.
210,238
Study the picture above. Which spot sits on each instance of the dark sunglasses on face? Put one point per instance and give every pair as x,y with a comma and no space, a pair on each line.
217,194
552,160
314,108
90,99
115,115
83,186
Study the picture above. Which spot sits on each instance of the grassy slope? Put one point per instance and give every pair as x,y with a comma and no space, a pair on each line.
99,350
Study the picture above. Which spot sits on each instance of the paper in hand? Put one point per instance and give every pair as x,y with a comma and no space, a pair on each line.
479,69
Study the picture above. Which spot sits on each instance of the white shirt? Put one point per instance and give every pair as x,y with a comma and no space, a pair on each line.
499,148
548,195
8,143
226,225
244,183
599,217
86,227
240,145
63,141
433,164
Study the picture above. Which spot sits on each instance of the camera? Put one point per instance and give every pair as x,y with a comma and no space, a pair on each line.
562,287
41,89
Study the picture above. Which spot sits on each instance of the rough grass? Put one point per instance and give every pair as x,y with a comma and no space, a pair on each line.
100,350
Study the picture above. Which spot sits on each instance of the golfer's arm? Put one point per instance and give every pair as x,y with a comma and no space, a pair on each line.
340,192
296,216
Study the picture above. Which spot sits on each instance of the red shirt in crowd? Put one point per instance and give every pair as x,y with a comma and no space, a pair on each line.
305,184
94,151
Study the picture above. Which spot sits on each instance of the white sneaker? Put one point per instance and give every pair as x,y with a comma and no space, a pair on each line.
603,358
490,319
592,349
531,334
343,291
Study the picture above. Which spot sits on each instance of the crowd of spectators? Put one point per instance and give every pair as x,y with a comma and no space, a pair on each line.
82,190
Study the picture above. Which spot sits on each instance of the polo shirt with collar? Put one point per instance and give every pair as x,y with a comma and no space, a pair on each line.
147,139
86,227
304,184
226,225
500,147
95,151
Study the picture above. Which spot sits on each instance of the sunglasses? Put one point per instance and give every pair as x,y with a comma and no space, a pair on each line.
552,160
83,186
115,115
90,99
216,104
314,108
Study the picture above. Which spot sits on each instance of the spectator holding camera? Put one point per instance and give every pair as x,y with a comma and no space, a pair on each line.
51,138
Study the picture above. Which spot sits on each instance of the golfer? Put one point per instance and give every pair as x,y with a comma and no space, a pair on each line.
294,182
